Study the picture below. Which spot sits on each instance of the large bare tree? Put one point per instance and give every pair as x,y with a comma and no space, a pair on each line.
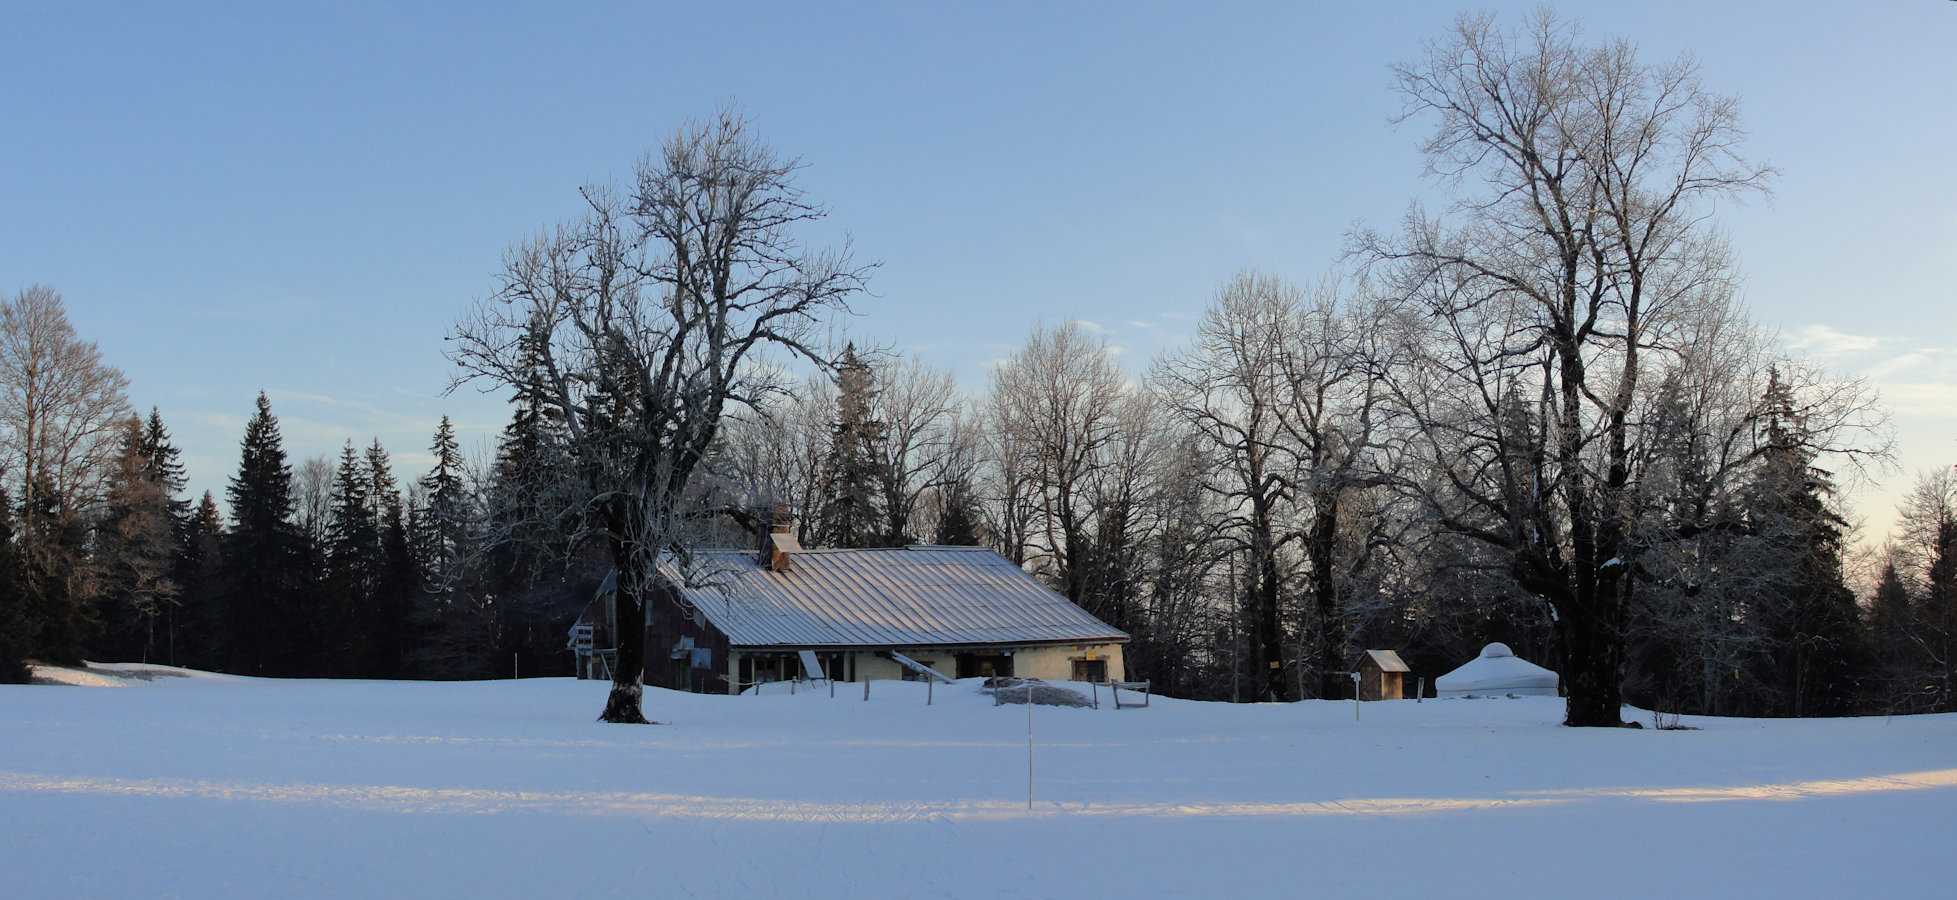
61,407
1283,386
1056,410
641,325
62,412
1578,257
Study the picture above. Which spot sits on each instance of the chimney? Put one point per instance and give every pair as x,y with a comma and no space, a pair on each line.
779,542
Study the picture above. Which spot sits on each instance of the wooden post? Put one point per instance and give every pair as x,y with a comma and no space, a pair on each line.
929,684
1420,689
866,690
1029,746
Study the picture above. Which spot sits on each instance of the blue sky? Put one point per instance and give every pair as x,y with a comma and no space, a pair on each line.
301,198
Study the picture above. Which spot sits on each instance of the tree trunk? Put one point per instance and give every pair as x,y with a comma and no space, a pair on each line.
1593,661
1320,549
624,705
1270,637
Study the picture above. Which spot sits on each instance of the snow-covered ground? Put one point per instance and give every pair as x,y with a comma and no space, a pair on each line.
144,781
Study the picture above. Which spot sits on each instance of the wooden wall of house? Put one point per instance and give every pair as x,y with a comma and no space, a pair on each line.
666,623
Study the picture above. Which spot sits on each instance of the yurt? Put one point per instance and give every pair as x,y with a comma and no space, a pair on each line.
1497,672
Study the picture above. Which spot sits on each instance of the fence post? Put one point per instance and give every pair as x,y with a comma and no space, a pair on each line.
866,690
929,685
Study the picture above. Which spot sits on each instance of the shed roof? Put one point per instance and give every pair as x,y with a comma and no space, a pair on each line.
900,597
1387,661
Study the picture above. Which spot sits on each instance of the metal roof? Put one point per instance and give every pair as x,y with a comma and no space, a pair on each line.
898,597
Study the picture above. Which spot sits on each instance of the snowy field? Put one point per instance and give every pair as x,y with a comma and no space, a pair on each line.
151,782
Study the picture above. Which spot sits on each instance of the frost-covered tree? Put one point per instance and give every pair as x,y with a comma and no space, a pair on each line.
640,326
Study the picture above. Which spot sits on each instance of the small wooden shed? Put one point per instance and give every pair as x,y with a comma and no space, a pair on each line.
1380,675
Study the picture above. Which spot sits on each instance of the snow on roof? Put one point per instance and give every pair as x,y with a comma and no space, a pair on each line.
900,597
1497,670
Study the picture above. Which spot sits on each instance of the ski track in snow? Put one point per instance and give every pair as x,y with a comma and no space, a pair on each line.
388,798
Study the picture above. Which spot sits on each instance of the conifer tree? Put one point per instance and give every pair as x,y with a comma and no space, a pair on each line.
1806,610
529,460
196,631
351,555
445,530
852,476
164,468
136,546
54,546
267,567
13,668
396,578
448,619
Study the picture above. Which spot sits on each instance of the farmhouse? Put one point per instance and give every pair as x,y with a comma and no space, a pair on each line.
853,615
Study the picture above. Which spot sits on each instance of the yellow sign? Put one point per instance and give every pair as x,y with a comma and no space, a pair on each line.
1275,664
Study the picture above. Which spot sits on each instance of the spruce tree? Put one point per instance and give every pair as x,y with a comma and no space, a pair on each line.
351,551
530,463
852,473
1808,615
444,616
163,467
396,578
272,629
444,527
196,629
135,548
57,620
13,621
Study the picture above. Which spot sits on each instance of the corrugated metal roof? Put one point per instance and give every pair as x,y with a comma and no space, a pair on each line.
900,597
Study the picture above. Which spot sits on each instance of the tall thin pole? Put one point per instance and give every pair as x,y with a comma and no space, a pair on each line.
1029,746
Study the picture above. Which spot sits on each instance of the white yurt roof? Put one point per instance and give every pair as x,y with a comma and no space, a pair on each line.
1497,671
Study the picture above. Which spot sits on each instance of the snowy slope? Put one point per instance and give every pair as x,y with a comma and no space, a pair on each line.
208,786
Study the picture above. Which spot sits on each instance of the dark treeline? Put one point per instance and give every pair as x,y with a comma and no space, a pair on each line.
334,568
1539,416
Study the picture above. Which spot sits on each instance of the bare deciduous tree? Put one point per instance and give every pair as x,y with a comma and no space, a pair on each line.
1283,385
918,406
61,407
1054,408
62,411
1570,276
642,325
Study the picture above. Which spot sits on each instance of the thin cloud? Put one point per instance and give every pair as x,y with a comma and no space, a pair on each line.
1925,400
1826,342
